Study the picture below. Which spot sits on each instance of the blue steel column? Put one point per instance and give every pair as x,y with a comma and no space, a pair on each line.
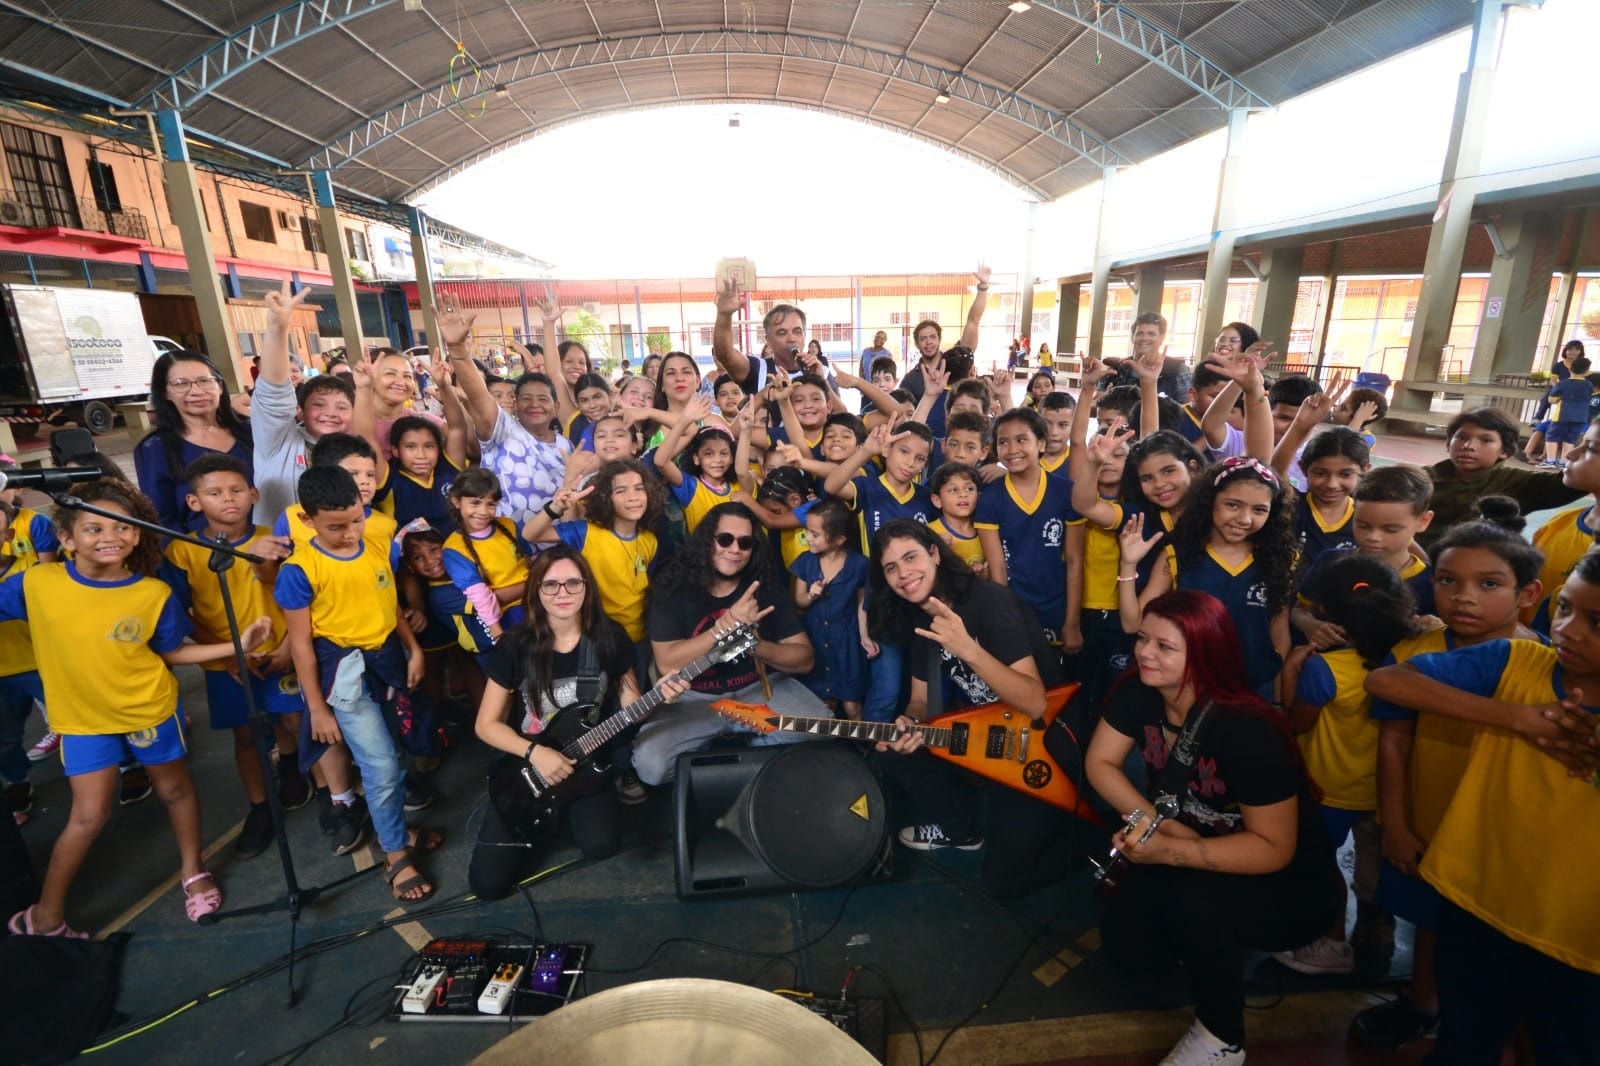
183,197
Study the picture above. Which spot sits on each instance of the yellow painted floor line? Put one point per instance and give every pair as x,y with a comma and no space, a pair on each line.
411,932
168,885
1310,1016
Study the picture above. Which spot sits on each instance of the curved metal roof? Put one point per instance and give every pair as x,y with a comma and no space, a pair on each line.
1046,97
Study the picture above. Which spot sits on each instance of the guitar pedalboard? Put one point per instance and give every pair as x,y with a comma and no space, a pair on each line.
487,980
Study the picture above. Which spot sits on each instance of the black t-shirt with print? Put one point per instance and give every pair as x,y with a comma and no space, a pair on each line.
1244,759
1004,627
509,668
683,617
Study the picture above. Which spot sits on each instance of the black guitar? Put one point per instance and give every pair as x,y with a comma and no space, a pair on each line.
532,805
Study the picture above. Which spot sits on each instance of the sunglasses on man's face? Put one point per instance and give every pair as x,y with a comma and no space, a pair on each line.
728,540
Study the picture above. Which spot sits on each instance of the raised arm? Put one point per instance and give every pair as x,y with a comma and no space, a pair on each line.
1016,683
884,404
1149,374
1312,411
455,330
877,443
733,362
281,306
1134,545
550,314
457,423
980,300
679,435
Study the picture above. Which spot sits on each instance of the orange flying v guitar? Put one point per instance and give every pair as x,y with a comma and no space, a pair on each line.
992,741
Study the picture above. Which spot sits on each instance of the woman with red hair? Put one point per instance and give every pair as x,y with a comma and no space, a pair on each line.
1245,864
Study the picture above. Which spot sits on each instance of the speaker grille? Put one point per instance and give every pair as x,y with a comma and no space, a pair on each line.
815,814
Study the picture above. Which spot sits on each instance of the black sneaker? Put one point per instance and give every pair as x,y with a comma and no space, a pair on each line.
134,787
294,790
19,797
630,789
325,820
932,836
256,836
1373,943
348,823
1391,1026
419,795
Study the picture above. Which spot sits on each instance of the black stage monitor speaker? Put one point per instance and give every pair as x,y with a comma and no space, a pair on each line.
773,819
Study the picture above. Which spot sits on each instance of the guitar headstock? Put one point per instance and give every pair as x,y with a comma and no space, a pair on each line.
756,716
734,643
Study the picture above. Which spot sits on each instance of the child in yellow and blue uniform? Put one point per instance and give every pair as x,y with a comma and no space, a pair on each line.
956,488
1330,711
19,688
359,459
1334,461
1484,574
1094,625
350,646
220,492
487,559
115,631
703,481
1568,536
1519,932
416,481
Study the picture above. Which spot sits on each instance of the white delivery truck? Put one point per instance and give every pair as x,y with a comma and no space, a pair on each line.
82,351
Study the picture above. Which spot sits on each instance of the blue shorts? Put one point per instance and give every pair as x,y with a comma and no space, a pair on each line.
149,747
1339,822
278,694
1407,897
1565,432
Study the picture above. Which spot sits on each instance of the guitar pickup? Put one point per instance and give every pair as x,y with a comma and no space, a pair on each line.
536,784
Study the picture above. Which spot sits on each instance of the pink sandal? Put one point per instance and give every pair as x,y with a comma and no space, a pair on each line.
200,904
21,924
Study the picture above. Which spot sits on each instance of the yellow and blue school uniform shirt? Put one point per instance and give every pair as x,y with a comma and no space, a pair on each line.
102,668
1243,592
503,556
968,549
697,499
1416,575
16,644
406,498
31,534
1053,465
378,535
1102,561
188,571
878,503
1190,428
793,543
1517,848
621,568
1318,535
1341,749
1440,745
1033,534
352,599
1564,539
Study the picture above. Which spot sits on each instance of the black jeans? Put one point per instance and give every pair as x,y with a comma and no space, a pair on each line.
1488,983
1207,921
502,855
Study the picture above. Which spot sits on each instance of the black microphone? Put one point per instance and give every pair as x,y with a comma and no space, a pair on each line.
47,480
794,351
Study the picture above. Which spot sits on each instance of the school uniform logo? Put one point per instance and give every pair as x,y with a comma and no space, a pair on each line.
1256,595
1052,533
21,546
384,580
289,685
127,631
141,738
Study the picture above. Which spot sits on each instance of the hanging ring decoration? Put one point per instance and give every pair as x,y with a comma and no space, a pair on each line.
467,86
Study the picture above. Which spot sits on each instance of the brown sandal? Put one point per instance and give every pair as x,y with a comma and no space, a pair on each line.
421,840
400,888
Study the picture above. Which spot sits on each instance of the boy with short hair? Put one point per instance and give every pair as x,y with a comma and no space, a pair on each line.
219,489
1569,413
1057,409
349,643
955,488
966,439
1205,386
359,459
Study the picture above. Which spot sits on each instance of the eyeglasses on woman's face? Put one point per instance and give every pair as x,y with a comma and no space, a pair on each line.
205,384
571,586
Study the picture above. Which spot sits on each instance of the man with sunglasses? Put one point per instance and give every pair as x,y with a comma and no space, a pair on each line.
724,577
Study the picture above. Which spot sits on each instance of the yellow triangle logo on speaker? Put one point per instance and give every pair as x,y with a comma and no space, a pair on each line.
859,808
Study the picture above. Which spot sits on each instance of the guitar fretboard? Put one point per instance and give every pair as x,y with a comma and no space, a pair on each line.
935,736
586,745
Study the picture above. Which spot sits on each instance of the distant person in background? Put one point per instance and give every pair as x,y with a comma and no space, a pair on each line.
1561,371
879,349
928,334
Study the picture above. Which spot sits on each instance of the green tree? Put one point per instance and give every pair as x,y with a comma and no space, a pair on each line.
1591,324
658,343
588,330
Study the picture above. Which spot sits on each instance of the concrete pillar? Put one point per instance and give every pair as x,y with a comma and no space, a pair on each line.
1519,286
1100,281
344,287
183,197
424,263
1151,283
1219,259
1566,289
1452,220
1275,296
1067,299
1025,284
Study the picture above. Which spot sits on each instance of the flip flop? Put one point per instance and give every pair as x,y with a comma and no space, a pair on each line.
201,904
21,924
400,887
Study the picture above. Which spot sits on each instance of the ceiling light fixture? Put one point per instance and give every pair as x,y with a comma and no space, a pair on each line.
1019,6
943,97
413,5
502,90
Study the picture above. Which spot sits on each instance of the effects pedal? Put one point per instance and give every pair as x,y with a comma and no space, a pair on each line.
421,997
546,976
501,989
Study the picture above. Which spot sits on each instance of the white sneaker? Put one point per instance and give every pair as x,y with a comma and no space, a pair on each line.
1201,1047
48,745
1321,956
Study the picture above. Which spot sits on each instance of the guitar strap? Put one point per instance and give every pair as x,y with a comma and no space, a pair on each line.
935,680
589,681
1173,778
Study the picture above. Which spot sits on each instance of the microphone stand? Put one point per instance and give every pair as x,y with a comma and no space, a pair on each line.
223,555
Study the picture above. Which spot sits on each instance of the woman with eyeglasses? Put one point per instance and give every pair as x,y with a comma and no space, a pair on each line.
533,676
725,575
193,417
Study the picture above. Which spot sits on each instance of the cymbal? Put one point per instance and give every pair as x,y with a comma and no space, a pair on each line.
680,1020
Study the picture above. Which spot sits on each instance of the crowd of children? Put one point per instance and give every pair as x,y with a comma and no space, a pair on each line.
1432,663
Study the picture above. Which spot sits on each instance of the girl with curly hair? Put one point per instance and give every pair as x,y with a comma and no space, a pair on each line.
1236,541
115,631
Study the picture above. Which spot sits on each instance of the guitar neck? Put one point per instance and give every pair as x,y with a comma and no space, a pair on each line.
934,736
586,745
